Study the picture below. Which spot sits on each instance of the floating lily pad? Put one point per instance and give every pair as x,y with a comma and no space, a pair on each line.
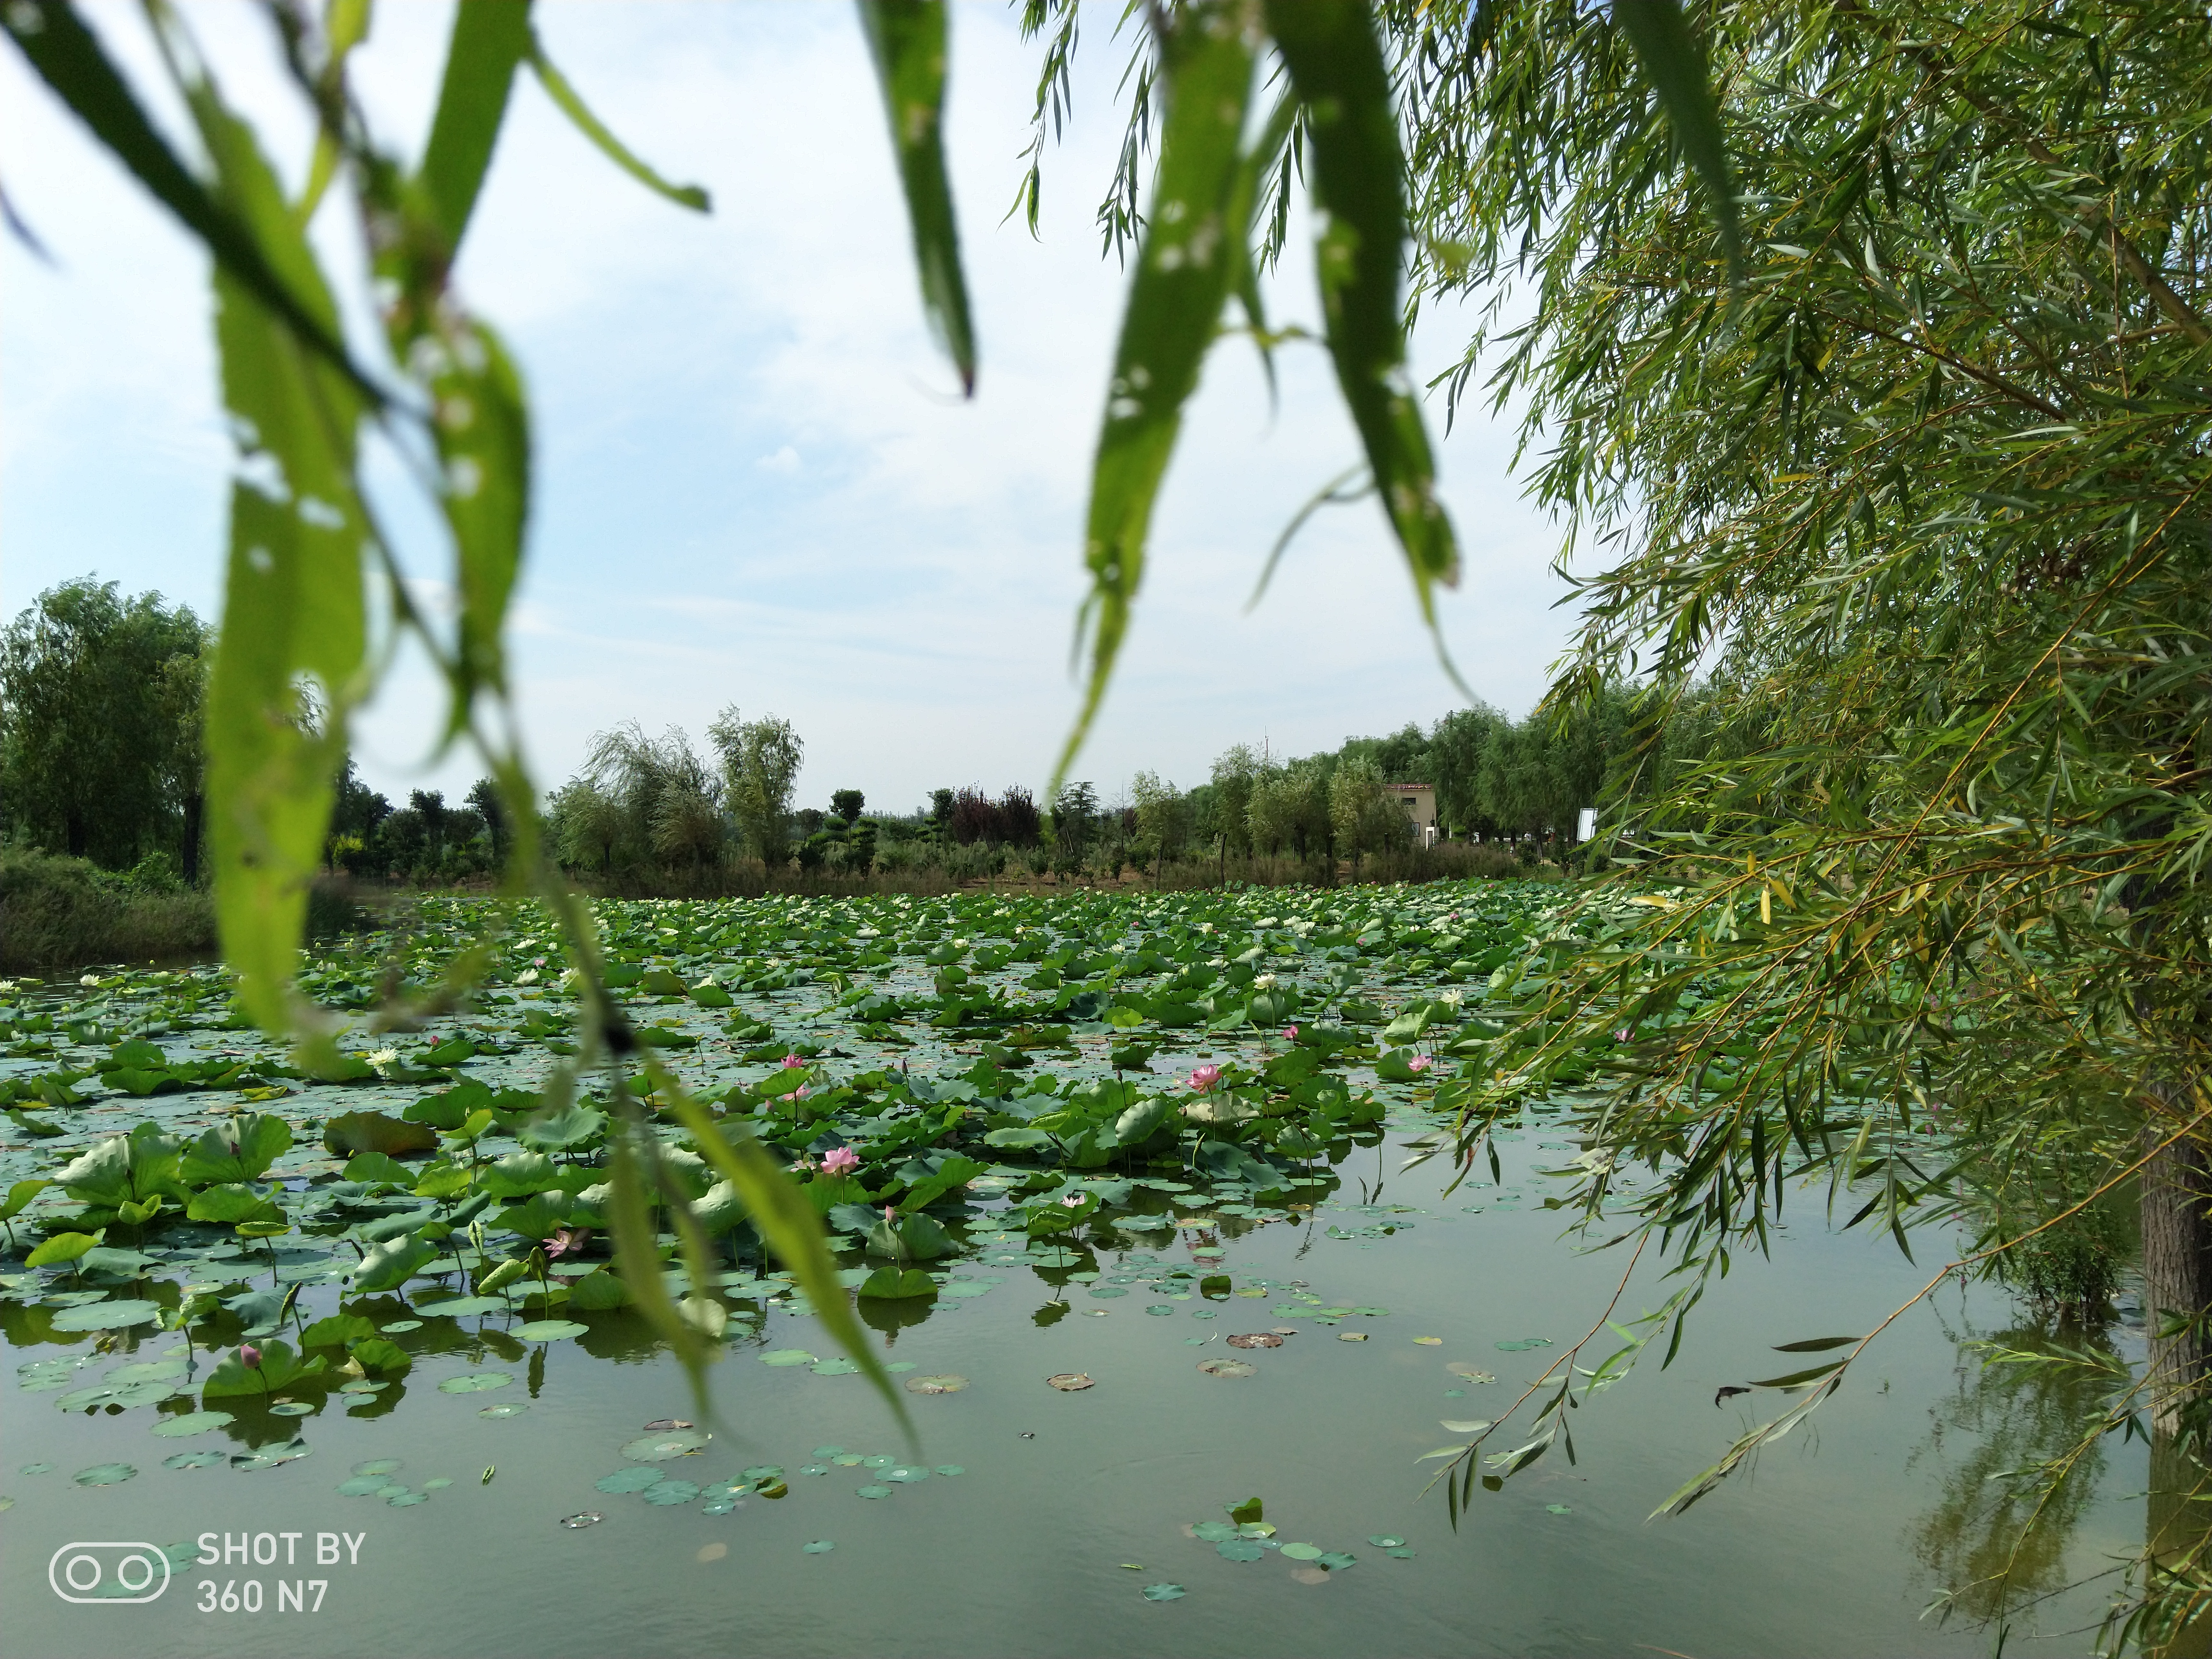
1070,1381
840,1366
461,1307
764,1472
1549,1509
399,1325
270,1458
106,1474
661,1448
1212,1532
1256,1340
819,1547
1302,1552
879,1461
177,1428
1162,1310
1472,1373
206,1459
906,1474
1351,1336
874,1491
944,1382
1227,1367
819,1451
1165,1592
1525,1342
1336,1561
669,1493
362,1486
658,1424
1240,1549
475,1382
1105,1291
36,1468
514,1409
1384,1541
951,1469
581,1518
787,1356
547,1330
291,1408
106,1316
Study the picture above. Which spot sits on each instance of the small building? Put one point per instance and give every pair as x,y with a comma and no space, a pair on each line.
1419,800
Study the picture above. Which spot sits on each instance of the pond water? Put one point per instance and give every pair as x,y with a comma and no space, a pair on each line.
1030,1518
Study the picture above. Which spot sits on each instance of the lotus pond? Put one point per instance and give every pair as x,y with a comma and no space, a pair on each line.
1119,1186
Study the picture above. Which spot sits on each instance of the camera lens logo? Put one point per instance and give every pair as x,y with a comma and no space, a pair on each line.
109,1572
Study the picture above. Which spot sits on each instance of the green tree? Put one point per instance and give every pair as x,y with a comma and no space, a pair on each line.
485,796
760,770
1074,824
1923,500
1163,818
100,698
1236,772
1364,816
846,804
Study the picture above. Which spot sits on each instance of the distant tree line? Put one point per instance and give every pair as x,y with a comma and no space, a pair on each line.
99,758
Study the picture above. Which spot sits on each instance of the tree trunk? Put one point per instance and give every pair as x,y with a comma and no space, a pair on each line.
2177,1260
194,804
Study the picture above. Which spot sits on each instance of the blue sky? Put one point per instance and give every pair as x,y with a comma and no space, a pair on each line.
756,485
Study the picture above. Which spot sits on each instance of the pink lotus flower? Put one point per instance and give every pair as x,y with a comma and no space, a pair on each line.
537,962
840,1160
1291,1032
1205,1078
1621,1036
249,1356
1420,1063
1073,1201
567,1240
801,1092
790,1061
891,1212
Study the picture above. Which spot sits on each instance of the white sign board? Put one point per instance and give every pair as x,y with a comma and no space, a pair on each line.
1586,823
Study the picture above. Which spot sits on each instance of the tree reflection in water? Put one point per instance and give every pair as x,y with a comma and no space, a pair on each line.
2018,1476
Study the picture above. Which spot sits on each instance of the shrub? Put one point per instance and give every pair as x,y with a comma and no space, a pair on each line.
58,912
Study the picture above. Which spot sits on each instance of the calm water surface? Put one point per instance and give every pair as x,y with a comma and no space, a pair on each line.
1068,1504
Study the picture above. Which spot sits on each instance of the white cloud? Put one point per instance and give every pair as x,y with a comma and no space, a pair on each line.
785,460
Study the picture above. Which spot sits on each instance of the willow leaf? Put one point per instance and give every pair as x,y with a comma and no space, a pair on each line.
1184,267
572,105
1674,64
1336,67
293,606
789,1223
489,39
637,1259
907,39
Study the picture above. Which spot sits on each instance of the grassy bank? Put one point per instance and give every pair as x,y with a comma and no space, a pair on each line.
63,912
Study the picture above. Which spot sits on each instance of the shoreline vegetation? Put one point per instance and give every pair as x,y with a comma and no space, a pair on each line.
59,913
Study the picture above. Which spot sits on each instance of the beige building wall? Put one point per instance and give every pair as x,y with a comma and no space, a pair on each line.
1419,800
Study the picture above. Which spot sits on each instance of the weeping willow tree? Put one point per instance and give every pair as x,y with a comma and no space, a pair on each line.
1923,493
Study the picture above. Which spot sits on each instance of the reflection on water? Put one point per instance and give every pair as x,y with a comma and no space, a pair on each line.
2001,1535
